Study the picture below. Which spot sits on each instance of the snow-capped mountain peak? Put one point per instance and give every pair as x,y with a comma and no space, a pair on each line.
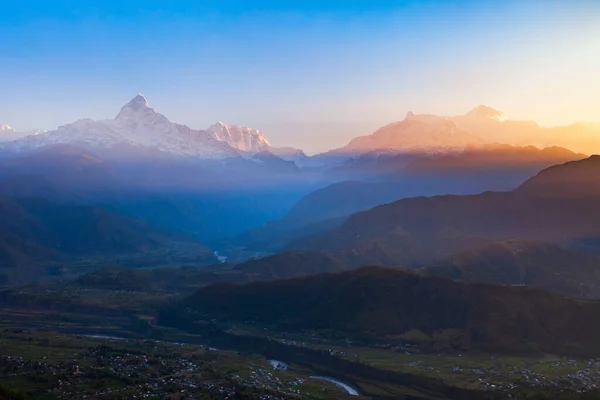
6,128
430,119
138,103
139,126
239,137
487,112
138,108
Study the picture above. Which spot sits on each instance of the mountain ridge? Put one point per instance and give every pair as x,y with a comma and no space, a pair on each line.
483,125
420,230
426,133
140,127
472,172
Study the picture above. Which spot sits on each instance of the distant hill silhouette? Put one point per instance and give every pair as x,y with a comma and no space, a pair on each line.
383,177
492,167
550,207
385,303
570,180
275,235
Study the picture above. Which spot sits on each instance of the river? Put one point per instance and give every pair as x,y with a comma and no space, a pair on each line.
349,389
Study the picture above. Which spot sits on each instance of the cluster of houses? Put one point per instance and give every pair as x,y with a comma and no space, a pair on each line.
266,379
105,372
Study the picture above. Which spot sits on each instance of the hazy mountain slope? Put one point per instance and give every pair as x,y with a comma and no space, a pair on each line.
209,215
271,238
386,303
517,262
474,171
60,171
15,251
421,230
85,230
35,186
208,201
339,199
290,154
77,230
275,162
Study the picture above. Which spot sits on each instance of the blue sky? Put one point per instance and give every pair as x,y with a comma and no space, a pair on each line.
311,74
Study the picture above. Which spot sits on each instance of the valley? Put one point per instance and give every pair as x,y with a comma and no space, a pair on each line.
93,357
299,200
142,258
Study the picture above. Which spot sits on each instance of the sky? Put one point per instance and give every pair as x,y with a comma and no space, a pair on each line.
310,74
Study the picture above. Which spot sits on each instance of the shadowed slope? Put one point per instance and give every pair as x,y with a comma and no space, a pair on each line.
379,302
517,262
421,230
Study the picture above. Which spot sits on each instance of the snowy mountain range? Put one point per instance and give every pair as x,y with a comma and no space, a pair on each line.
240,137
139,127
429,133
8,133
422,133
432,134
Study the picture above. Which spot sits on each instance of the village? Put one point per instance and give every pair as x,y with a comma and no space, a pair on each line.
117,368
492,373
63,366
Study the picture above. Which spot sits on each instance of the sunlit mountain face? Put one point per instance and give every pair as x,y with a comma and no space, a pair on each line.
480,127
299,200
138,128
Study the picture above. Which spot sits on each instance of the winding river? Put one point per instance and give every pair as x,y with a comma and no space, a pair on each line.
350,390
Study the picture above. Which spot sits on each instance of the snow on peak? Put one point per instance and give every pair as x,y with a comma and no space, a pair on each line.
138,101
239,137
482,111
431,119
8,133
137,107
139,126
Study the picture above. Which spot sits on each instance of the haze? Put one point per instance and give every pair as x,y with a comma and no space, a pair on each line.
309,75
300,200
